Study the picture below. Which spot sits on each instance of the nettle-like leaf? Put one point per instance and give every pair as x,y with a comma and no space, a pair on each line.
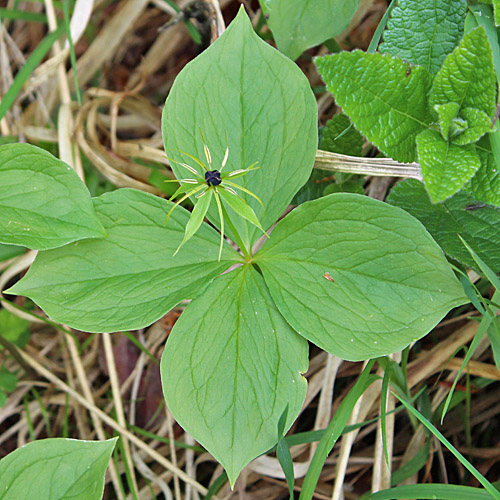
447,114
461,215
298,25
56,469
231,366
43,202
129,279
424,32
477,124
445,166
357,277
386,98
244,89
485,185
340,136
467,76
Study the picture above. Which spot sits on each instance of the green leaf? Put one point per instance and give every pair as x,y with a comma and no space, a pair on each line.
131,278
13,328
445,166
340,136
447,113
238,204
441,491
467,76
8,380
356,277
477,223
336,427
230,367
244,88
56,469
485,185
299,25
44,204
10,251
496,8
493,492
478,123
197,216
424,32
385,98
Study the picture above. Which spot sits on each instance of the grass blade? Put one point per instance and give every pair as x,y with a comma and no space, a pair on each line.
494,493
24,73
334,431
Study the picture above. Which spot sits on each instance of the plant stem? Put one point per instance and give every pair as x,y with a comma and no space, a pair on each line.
237,238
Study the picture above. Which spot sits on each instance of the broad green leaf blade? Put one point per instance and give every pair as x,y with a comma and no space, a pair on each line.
356,277
445,166
467,76
477,223
496,8
340,136
131,278
298,25
424,32
230,367
385,98
485,185
43,202
56,469
244,88
478,124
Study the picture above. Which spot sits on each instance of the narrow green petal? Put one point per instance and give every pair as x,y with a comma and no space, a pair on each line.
197,216
221,217
198,161
187,195
237,186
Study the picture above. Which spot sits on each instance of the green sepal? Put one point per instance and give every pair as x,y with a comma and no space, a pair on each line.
197,216
239,205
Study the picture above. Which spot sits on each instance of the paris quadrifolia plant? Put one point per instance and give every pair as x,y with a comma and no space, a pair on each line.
355,276
214,183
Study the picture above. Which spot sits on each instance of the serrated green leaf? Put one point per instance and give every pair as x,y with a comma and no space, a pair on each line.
43,202
356,277
496,8
485,185
13,328
478,224
446,114
478,124
385,102
340,136
445,166
467,76
424,32
131,278
56,469
230,367
275,126
298,25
